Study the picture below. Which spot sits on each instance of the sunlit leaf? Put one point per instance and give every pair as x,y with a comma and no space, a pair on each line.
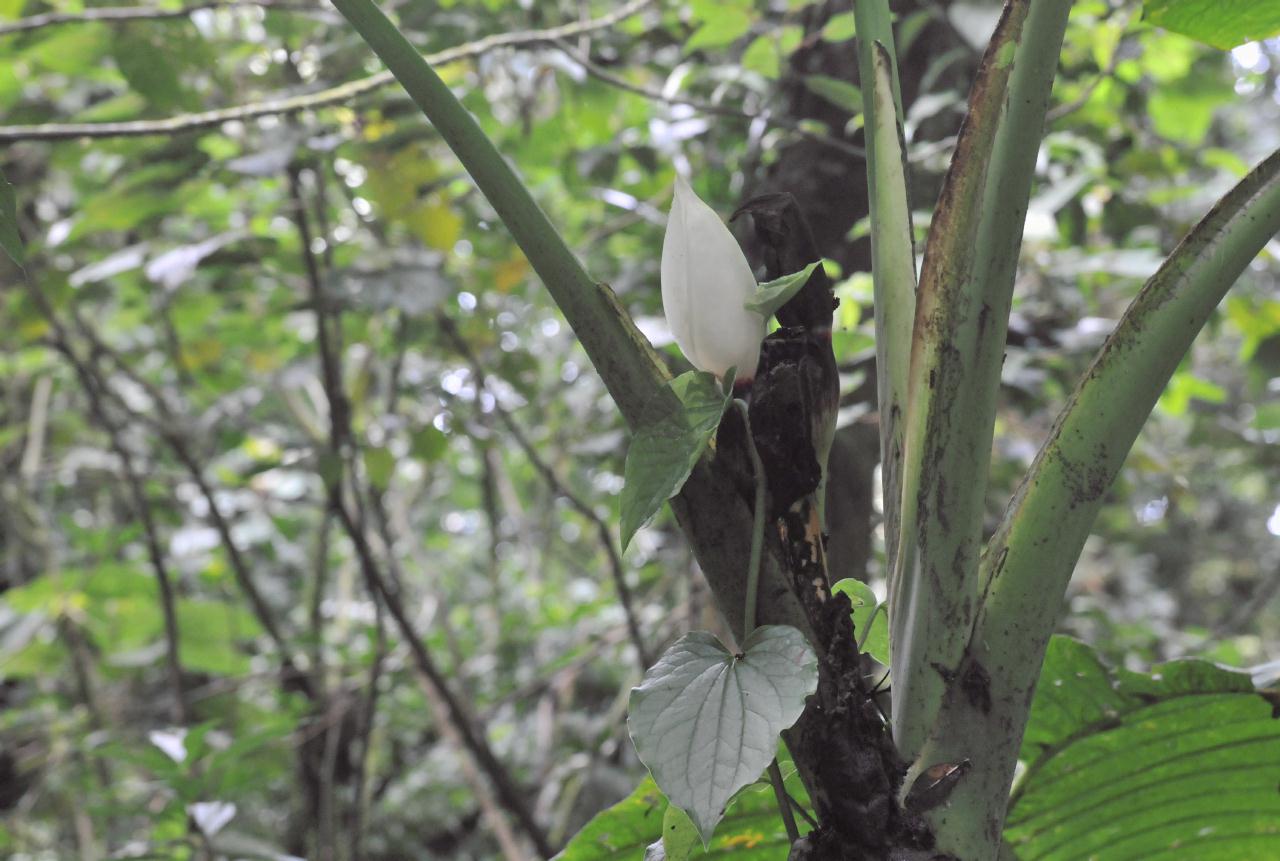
721,29
1221,23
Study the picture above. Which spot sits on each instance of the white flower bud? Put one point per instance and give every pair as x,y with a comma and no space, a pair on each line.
705,282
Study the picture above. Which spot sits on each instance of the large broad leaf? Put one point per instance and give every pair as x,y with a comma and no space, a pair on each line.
1221,23
1179,764
706,721
666,447
751,828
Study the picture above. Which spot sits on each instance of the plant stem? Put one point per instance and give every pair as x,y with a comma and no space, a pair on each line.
866,628
784,801
949,416
753,588
757,525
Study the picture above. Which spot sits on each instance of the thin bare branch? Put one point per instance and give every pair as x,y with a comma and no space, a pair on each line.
94,389
123,14
346,503
172,433
340,94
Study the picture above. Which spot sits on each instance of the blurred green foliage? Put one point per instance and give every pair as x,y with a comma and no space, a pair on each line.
175,267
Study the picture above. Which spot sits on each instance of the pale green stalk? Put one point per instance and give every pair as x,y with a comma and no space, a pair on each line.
893,259
1029,561
947,442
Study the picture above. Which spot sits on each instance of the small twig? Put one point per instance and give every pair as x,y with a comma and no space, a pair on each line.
37,423
757,524
804,814
784,801
336,95
319,583
875,611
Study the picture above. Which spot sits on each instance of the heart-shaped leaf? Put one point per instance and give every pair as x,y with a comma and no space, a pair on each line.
665,448
706,721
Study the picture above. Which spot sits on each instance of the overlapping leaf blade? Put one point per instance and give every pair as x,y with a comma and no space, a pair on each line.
1181,763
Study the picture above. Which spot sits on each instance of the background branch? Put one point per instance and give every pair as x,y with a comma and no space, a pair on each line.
337,95
122,14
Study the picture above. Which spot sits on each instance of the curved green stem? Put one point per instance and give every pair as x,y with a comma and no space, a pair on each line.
866,628
784,801
757,525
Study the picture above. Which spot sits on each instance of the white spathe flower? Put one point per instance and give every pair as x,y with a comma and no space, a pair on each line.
705,282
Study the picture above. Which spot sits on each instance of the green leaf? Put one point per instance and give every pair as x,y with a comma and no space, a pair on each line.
150,68
210,633
1180,763
763,56
1184,111
840,28
666,447
622,831
720,29
380,464
10,241
1221,23
772,295
870,618
679,835
706,722
429,444
840,93
751,829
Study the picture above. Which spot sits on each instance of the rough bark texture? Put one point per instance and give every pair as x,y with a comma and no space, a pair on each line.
842,744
